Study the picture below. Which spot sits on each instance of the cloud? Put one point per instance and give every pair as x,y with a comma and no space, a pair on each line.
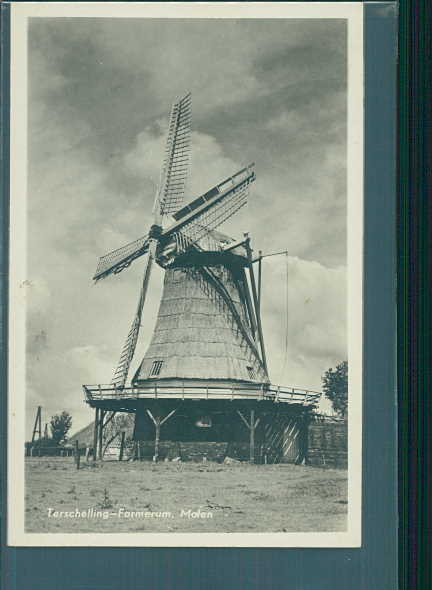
304,318
209,164
89,360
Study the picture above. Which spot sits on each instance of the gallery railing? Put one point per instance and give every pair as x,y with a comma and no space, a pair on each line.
185,391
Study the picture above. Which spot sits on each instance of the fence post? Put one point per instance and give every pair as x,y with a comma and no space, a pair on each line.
77,454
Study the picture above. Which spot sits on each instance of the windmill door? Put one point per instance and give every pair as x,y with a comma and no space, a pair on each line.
291,441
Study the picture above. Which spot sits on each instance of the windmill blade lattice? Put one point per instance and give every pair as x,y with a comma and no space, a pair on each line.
214,217
122,370
209,211
171,190
117,260
175,167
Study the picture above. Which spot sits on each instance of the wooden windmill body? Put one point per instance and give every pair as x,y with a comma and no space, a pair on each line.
204,376
203,329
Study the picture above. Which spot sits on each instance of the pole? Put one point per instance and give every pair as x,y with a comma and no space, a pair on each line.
77,454
255,298
259,278
37,428
100,432
40,422
122,442
249,305
268,255
95,434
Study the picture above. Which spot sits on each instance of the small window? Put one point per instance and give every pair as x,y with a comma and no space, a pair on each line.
156,368
251,372
204,422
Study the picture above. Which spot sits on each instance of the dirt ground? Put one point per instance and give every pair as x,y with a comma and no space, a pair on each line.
182,497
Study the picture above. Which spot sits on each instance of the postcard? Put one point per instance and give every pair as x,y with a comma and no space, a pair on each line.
185,300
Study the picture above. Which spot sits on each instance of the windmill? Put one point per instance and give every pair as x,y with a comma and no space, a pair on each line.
208,340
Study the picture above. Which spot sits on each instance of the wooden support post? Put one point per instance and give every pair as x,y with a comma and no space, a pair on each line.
122,444
303,440
101,419
251,425
77,454
158,422
252,437
95,434
157,440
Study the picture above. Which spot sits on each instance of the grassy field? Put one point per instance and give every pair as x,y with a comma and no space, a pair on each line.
239,497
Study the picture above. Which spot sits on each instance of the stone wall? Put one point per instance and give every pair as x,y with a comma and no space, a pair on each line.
186,451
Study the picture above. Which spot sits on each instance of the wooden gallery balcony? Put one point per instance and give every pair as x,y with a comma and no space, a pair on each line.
118,397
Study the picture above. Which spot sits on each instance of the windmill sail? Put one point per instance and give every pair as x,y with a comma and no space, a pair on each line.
210,210
122,370
195,220
119,259
169,197
171,190
177,155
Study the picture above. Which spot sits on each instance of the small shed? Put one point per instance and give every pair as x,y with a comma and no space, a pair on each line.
328,442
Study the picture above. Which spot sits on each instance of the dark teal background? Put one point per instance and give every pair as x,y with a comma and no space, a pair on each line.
374,566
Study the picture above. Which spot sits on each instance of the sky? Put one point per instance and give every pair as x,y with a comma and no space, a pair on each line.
271,92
